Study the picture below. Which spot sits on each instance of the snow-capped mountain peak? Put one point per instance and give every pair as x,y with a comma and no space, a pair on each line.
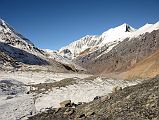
10,30
145,28
17,46
121,29
93,42
117,33
109,38
8,35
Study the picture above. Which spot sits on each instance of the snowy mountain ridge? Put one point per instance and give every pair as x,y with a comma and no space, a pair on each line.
6,28
115,35
9,36
16,49
11,29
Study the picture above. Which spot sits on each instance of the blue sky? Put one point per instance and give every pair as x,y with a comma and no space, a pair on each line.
56,23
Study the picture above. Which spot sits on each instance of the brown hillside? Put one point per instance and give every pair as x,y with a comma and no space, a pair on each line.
148,67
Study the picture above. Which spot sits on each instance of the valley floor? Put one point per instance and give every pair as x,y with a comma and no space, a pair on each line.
29,77
34,92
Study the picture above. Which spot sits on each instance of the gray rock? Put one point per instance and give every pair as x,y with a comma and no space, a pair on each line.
68,111
116,88
65,103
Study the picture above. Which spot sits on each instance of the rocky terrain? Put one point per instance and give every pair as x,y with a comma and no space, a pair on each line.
138,102
23,94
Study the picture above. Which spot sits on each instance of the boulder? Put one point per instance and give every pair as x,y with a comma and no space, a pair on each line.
90,113
97,97
80,103
65,103
74,105
69,111
106,97
9,97
57,110
117,88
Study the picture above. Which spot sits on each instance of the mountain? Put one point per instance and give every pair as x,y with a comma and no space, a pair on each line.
126,54
19,47
109,39
16,51
91,43
13,38
114,51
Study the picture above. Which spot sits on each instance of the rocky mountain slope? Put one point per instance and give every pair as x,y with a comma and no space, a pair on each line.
16,51
115,51
148,67
125,55
10,37
138,102
122,55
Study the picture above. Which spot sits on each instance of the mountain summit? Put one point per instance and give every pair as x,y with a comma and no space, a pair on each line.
89,43
128,28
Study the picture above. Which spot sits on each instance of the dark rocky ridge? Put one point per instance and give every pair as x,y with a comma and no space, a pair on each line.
139,102
21,55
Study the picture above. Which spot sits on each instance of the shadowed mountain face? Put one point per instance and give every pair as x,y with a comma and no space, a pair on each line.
124,55
21,55
15,57
19,48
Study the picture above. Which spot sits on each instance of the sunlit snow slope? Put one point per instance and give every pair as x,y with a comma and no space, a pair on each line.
110,38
